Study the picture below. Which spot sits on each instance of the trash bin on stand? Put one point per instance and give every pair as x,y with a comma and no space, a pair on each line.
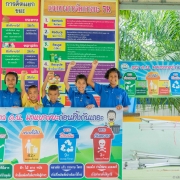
102,137
3,137
115,128
67,136
31,143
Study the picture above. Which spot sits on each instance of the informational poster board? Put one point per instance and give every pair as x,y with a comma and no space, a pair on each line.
151,147
20,39
54,143
80,31
150,79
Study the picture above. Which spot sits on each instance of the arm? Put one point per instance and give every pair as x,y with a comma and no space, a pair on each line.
66,77
23,90
125,103
91,74
45,83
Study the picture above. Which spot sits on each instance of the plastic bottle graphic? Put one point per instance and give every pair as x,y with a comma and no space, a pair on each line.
102,137
67,136
52,58
3,137
31,143
153,79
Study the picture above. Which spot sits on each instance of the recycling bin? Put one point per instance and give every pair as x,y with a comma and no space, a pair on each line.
174,78
67,136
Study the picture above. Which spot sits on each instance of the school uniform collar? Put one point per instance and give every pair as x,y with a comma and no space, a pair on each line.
82,93
109,86
54,103
7,90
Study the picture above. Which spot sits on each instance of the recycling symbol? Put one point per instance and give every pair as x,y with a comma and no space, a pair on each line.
176,85
67,146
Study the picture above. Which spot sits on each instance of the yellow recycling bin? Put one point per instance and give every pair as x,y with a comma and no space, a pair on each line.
31,143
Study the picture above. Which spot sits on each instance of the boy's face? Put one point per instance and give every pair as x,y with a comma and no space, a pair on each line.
53,95
113,78
33,94
10,81
57,77
81,85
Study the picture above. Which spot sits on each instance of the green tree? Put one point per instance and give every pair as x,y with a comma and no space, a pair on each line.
151,36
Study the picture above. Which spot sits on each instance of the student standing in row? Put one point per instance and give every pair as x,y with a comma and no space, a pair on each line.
53,93
10,97
80,98
30,98
111,95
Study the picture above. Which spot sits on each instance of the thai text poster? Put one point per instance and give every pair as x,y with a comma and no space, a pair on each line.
80,31
54,143
20,39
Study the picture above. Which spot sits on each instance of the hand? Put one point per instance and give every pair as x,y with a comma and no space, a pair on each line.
71,64
50,74
119,107
36,107
15,106
23,73
95,63
90,106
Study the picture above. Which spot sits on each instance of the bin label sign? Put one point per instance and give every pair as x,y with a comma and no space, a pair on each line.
66,170
102,170
30,171
6,171
60,143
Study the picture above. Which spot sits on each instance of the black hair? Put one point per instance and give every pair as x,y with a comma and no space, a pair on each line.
111,111
56,75
81,76
112,70
32,86
11,73
53,88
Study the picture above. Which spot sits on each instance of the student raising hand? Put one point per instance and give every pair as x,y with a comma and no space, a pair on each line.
71,64
95,64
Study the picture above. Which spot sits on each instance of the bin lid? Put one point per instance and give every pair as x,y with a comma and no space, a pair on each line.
129,76
152,76
67,132
102,132
3,133
174,76
31,132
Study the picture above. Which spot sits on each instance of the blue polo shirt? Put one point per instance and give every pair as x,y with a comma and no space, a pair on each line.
48,103
80,100
111,97
8,99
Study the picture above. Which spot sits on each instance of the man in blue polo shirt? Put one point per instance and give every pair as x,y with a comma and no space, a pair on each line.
80,98
111,95
53,93
10,97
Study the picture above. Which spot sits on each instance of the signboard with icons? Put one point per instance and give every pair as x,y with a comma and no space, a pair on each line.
150,79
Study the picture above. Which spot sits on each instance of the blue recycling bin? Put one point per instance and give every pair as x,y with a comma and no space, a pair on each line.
67,136
174,78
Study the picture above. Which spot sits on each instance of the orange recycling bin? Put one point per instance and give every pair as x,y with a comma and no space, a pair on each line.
153,81
31,143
